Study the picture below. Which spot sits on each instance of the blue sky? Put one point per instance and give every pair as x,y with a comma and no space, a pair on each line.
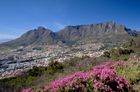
19,16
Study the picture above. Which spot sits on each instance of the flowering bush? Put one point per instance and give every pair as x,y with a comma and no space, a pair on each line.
27,90
100,78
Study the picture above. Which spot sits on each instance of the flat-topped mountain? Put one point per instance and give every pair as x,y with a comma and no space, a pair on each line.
101,32
107,32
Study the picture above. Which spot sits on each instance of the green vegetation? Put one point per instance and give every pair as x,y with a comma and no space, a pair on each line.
118,53
54,67
36,71
132,72
39,76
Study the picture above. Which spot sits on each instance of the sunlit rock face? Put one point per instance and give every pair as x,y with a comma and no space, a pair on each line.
101,32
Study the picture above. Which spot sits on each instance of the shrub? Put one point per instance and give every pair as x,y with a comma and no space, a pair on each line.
54,66
118,53
106,54
99,79
36,71
8,88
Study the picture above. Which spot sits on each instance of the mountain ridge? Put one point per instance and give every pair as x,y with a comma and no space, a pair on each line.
106,32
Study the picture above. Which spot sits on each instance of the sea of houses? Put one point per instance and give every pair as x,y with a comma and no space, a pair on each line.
22,59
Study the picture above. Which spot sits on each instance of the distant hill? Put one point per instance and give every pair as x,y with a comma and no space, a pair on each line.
37,36
107,32
5,40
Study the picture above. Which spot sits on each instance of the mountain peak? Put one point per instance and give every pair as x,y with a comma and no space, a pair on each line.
41,28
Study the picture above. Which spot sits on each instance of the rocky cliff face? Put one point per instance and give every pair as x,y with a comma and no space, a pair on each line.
107,32
102,32
74,32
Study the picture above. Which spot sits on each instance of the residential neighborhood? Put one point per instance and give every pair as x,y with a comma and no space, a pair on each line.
17,61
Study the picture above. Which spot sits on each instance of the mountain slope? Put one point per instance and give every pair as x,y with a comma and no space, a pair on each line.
107,32
37,36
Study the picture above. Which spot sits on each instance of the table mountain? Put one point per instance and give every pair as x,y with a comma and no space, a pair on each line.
107,32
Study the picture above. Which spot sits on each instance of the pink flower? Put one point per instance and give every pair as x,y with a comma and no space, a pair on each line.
107,73
98,84
26,90
103,78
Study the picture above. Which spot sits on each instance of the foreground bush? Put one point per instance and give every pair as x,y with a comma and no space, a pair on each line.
35,71
131,72
118,53
54,66
99,79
